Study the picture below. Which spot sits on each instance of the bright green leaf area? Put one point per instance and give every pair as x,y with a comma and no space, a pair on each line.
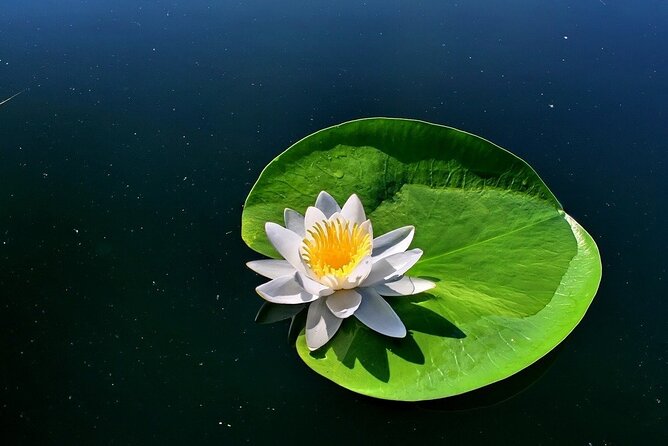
514,273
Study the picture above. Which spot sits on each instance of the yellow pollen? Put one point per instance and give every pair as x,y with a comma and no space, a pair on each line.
335,247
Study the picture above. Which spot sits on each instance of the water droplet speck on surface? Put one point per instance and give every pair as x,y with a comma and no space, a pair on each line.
338,174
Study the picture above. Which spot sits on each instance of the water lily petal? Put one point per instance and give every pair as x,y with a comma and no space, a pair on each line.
392,267
294,221
313,287
358,275
343,303
336,216
286,243
367,227
331,281
378,315
327,204
271,268
353,210
285,290
313,216
392,242
404,286
321,325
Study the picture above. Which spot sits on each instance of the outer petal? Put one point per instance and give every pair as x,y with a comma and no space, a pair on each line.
392,267
271,268
321,324
284,290
311,286
294,221
392,242
313,216
343,303
403,287
327,204
286,243
378,315
353,210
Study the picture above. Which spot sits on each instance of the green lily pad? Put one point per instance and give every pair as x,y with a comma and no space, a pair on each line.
515,274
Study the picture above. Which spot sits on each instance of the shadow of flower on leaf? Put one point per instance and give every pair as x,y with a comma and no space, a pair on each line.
424,320
356,343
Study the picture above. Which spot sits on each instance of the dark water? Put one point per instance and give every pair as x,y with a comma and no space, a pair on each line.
126,314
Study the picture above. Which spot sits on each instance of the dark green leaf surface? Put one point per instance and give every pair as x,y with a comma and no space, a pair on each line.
514,273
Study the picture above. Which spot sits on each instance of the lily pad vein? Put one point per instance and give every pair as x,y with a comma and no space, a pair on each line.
505,234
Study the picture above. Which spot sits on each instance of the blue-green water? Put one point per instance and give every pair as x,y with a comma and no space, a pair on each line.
125,309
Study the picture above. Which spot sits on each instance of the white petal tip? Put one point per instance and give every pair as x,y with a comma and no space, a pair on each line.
270,225
398,331
287,213
315,346
266,296
353,210
398,335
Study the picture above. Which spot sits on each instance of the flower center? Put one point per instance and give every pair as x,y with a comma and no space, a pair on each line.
335,248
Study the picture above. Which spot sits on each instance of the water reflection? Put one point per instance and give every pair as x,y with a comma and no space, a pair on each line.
498,392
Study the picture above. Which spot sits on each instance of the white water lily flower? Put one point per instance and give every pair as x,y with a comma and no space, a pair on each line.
333,262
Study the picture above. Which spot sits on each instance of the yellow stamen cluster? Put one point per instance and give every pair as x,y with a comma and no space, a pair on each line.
335,247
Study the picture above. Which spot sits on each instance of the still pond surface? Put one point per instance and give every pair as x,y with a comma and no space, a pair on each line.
126,312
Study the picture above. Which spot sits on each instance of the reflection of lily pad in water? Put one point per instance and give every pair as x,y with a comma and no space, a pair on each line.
515,273
498,392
